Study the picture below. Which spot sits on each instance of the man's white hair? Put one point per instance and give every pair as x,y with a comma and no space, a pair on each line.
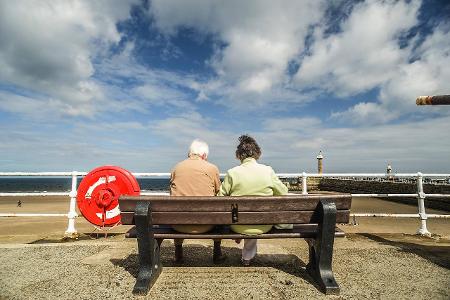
199,147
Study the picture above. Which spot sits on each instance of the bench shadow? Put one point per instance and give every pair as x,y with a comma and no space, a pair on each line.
437,254
81,237
198,256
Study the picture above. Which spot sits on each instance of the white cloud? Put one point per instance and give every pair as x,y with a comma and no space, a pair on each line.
410,147
40,108
259,37
428,75
48,47
365,113
149,87
365,54
158,145
50,51
291,124
160,94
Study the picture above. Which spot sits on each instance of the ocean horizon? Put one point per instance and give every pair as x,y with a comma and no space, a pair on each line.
63,184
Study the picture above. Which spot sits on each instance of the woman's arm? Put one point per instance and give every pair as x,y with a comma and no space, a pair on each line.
226,186
278,187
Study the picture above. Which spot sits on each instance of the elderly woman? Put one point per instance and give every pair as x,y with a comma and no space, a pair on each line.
250,179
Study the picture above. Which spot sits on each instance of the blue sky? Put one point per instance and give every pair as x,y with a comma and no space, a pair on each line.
131,83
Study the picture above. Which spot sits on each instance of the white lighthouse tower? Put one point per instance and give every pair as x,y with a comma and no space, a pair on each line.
319,162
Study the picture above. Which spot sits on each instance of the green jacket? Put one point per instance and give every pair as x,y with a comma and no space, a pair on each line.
252,179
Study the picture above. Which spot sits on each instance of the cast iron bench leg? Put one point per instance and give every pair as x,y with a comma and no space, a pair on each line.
149,251
217,251
321,250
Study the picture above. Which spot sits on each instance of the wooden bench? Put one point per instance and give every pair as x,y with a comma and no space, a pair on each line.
314,218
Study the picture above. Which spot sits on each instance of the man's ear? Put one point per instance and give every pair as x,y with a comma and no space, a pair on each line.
204,156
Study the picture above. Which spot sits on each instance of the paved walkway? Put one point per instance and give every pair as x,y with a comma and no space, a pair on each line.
375,261
366,266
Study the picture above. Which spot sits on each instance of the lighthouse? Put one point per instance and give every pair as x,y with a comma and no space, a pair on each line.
319,162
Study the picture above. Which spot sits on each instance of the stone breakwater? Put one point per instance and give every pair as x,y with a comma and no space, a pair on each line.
378,187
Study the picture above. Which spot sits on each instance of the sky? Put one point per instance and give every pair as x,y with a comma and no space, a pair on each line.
132,83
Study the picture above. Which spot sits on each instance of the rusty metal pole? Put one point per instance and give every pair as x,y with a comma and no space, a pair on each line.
433,100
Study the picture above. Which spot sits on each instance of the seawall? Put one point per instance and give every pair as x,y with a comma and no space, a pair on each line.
379,187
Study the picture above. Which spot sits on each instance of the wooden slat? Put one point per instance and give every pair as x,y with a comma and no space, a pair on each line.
217,204
224,218
299,231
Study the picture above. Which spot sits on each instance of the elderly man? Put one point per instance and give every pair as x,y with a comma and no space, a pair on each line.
195,176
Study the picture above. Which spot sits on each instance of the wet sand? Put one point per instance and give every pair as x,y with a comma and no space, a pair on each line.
380,258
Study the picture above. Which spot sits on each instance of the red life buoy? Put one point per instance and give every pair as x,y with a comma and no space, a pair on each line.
99,192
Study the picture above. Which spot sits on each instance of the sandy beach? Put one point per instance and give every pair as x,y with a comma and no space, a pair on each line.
29,229
380,258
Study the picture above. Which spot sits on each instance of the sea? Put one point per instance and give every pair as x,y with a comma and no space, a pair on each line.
63,184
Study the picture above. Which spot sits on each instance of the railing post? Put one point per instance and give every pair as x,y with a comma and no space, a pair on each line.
421,205
304,184
71,232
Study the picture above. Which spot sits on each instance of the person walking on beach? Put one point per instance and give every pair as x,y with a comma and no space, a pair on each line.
251,179
195,176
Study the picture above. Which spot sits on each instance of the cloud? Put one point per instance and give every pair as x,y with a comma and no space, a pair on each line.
48,47
157,145
364,54
410,147
181,129
365,113
257,41
160,94
291,124
67,58
37,107
145,87
427,75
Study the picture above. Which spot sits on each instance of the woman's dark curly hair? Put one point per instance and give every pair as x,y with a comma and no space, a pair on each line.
247,147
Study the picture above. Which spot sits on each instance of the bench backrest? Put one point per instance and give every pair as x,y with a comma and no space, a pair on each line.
194,210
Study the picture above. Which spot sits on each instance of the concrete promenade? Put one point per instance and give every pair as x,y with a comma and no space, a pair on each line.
379,259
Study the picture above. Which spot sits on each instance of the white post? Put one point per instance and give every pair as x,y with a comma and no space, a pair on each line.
71,232
421,205
304,185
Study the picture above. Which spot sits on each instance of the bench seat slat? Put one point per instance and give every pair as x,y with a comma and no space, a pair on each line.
299,231
297,202
224,218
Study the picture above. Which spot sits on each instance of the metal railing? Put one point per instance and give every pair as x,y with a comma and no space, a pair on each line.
72,214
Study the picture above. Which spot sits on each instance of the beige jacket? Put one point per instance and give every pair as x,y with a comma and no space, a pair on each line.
194,177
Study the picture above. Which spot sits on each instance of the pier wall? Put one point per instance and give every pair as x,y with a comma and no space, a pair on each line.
377,187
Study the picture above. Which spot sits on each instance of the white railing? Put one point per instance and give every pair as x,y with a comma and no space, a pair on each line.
72,214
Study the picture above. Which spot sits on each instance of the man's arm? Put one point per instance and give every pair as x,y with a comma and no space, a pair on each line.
172,178
216,181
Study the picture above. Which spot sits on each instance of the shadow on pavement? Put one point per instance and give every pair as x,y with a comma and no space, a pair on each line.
200,256
81,237
437,254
